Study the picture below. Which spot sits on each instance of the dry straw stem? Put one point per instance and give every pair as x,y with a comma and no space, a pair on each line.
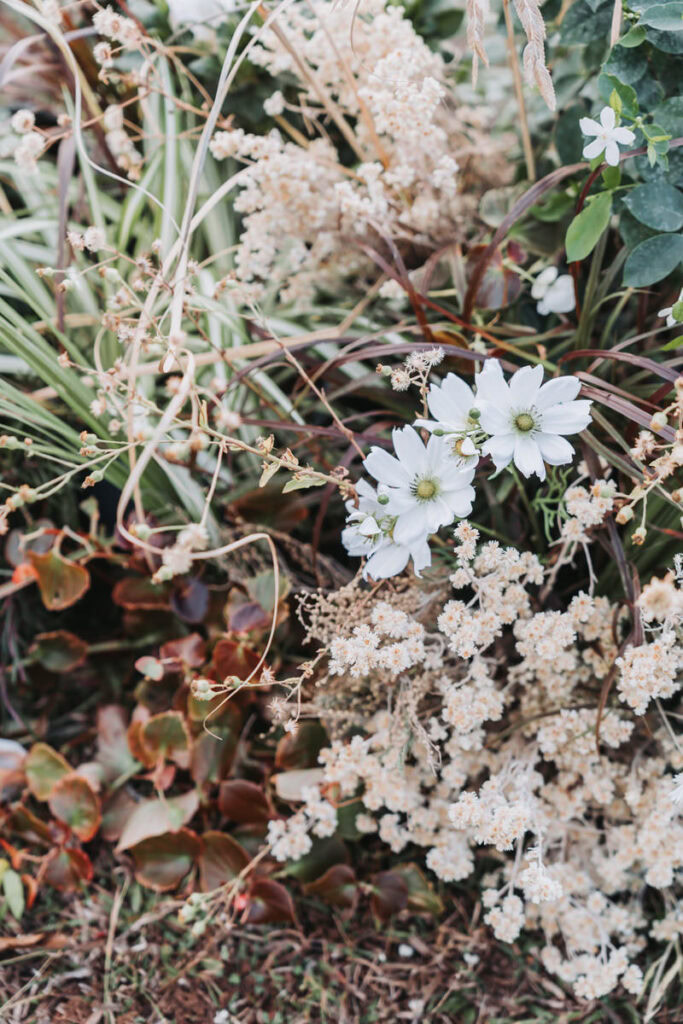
477,13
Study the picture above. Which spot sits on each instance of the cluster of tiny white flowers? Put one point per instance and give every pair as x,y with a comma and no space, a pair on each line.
580,807
301,205
290,838
128,158
115,26
650,671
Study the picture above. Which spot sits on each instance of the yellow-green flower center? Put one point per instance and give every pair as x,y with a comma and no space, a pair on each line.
426,489
524,422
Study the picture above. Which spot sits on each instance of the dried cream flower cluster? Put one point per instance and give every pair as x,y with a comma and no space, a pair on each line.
371,90
470,720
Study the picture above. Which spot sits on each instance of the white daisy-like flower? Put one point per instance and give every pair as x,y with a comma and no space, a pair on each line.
607,136
527,418
456,415
424,488
554,292
368,534
668,312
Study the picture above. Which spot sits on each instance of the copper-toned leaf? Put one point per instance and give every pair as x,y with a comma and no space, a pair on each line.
248,616
421,895
390,894
113,753
221,859
135,592
28,826
44,767
301,750
188,650
231,658
74,802
211,757
60,581
166,737
268,902
155,817
243,802
499,286
20,941
68,870
162,862
116,812
59,652
337,886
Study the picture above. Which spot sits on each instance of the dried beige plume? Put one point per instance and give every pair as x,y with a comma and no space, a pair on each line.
477,13
535,69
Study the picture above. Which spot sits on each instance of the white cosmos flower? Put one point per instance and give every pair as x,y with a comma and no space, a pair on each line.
455,412
527,418
424,488
368,534
607,136
555,293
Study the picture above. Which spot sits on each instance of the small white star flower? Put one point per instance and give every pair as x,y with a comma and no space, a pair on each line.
607,136
527,418
454,408
425,487
368,534
554,292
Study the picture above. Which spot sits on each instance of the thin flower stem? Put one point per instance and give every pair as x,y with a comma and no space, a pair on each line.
519,94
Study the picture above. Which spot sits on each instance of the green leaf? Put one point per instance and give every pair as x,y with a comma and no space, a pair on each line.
653,260
607,84
657,205
13,888
611,176
587,227
664,17
675,343
634,37
44,767
74,802
302,483
677,311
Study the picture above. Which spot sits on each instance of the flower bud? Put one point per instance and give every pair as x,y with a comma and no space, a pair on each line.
624,515
383,499
658,421
638,536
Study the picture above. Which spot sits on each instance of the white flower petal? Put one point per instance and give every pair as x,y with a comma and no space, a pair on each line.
566,417
408,446
561,389
451,402
388,561
495,420
593,149
528,458
412,524
421,555
491,386
612,153
554,449
543,282
386,468
460,501
500,448
524,385
608,118
589,127
624,136
560,296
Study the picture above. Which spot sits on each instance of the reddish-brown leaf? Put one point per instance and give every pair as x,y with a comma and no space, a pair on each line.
138,592
243,802
74,802
59,652
337,886
60,581
44,767
188,650
113,753
162,862
268,902
68,870
166,737
390,894
221,859
155,817
233,658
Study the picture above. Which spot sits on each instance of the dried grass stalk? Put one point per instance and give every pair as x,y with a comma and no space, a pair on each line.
477,13
535,70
